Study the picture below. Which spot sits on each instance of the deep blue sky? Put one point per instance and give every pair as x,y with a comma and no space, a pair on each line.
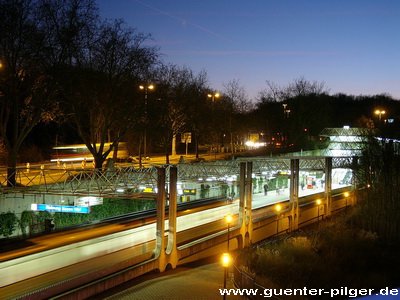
351,45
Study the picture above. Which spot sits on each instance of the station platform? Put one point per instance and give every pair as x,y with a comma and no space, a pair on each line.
199,280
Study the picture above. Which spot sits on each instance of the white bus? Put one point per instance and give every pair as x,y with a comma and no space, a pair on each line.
80,152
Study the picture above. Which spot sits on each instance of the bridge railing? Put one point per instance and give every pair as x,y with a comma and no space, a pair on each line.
73,181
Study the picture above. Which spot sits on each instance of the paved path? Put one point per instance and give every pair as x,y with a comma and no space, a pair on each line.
196,281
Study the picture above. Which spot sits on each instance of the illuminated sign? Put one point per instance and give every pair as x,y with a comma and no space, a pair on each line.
189,191
60,208
88,201
186,137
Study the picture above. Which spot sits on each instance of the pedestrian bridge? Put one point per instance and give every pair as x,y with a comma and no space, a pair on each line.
124,180
173,242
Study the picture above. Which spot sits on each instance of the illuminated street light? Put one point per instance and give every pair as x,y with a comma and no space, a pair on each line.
318,202
145,88
278,208
228,219
225,260
213,96
286,112
379,113
346,195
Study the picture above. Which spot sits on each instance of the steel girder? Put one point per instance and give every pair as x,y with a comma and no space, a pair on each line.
125,181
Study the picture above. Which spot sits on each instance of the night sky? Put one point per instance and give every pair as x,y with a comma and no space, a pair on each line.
351,45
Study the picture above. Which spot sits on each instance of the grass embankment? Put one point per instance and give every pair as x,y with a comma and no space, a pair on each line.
336,255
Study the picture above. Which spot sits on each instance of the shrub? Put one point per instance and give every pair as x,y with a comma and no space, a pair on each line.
110,208
28,217
8,222
335,256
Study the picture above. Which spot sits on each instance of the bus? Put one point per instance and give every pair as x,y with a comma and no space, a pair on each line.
79,152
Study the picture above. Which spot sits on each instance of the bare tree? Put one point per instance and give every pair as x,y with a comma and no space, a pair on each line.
35,40
273,93
179,90
295,111
237,102
299,87
302,87
102,96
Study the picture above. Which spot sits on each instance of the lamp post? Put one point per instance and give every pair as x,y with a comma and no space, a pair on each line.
346,195
286,113
213,96
225,260
278,208
379,113
145,88
318,202
228,219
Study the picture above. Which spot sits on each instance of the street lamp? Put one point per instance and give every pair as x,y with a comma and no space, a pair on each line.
145,88
213,96
318,202
286,112
379,113
225,260
278,208
346,195
228,219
